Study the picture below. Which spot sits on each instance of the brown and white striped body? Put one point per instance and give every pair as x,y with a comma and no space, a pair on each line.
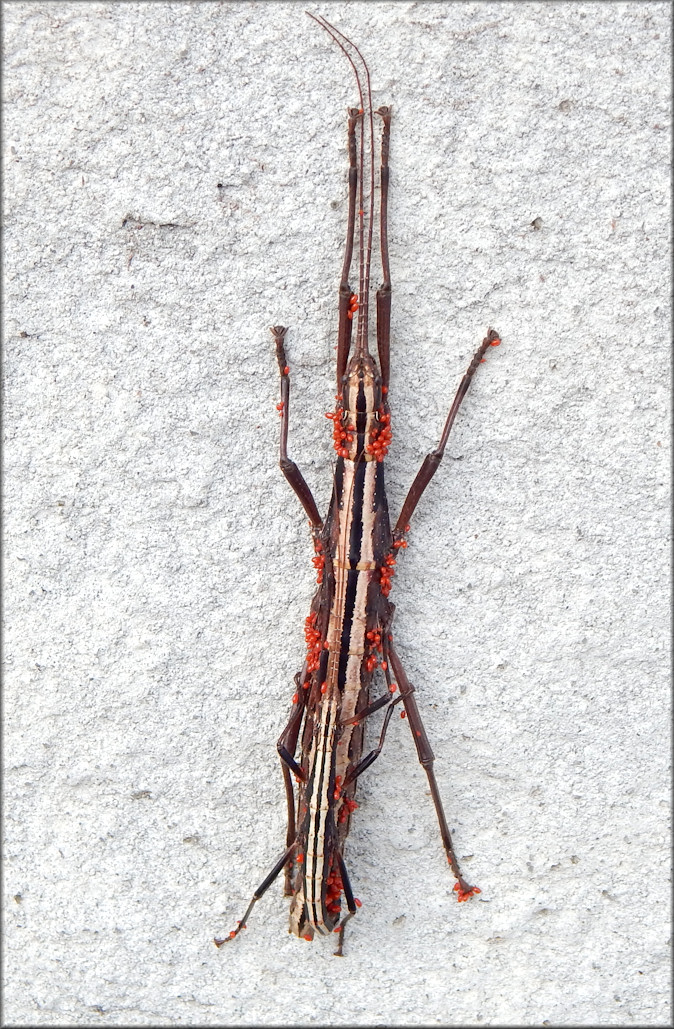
357,538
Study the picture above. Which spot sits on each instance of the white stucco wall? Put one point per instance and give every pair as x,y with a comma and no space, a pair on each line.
157,566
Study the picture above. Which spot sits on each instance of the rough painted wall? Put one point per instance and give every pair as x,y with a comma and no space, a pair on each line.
175,182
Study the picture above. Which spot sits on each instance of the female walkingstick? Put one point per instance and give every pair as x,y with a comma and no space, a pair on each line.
349,628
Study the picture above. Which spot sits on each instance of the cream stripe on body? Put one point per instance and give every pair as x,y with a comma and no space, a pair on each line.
335,706
356,645
318,811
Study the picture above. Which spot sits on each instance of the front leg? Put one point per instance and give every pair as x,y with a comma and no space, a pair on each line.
288,467
384,291
346,297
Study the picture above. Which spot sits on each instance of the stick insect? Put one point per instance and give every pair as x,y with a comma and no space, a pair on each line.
349,628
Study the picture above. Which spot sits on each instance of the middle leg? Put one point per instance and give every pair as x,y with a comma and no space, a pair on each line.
432,460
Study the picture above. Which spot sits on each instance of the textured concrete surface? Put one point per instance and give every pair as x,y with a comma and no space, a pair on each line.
175,183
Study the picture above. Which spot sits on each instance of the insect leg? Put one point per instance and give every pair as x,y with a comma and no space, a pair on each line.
345,324
288,467
426,759
287,741
384,291
432,460
286,746
292,730
260,892
374,754
376,705
350,903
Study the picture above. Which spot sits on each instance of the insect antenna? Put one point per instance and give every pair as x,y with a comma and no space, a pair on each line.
365,219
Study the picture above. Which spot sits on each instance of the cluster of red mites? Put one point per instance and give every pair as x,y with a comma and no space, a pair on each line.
374,639
313,637
353,306
347,808
386,573
472,890
334,890
318,561
340,434
381,436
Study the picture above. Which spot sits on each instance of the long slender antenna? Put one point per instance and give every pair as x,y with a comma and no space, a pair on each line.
364,236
